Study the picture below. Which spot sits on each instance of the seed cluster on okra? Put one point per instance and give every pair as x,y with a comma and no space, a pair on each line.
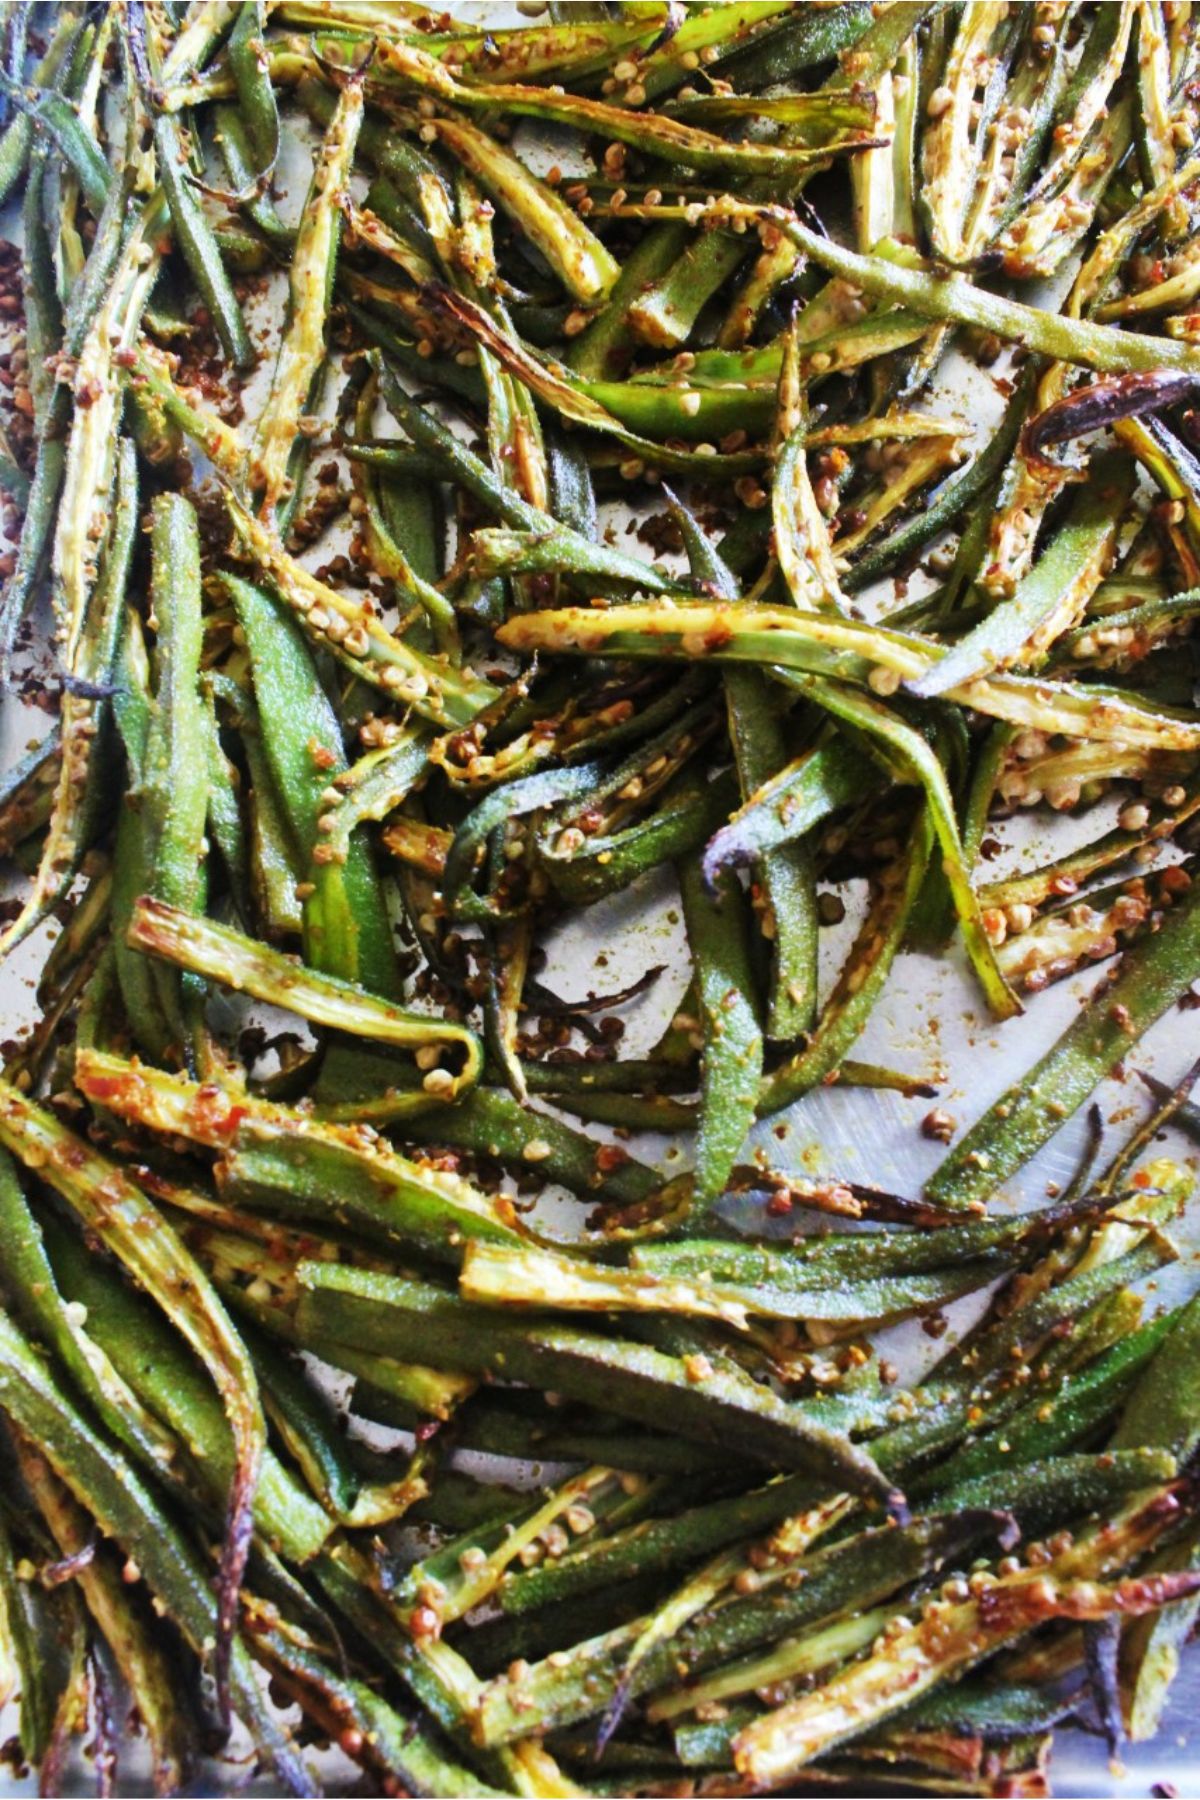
578,486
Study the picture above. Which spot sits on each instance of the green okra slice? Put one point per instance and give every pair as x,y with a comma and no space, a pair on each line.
35,1298
1053,1424
384,1741
314,262
665,64
952,1636
463,1574
490,1123
819,645
854,1574
228,957
1045,1496
606,862
1066,1488
347,931
109,1203
84,719
584,266
731,1062
146,1356
198,243
1161,1411
574,401
307,1426
604,350
139,1650
109,1488
224,814
861,980
52,113
1152,976
309,1166
527,794
27,792
45,1641
960,492
18,135
531,1277
953,298
808,1653
652,133
643,1383
909,756
573,548
1052,597
257,109
653,1545
174,804
353,634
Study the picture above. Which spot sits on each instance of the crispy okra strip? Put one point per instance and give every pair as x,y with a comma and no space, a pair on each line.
652,133
1081,1405
331,1170
577,256
257,108
861,980
652,1544
557,1282
354,634
910,757
574,400
802,542
99,327
854,1574
1161,1411
313,269
51,112
110,1204
950,298
346,928
228,957
826,646
161,1375
194,236
953,498
140,1653
109,1488
831,775
390,528
565,546
306,1425
36,1299
489,1122
642,1383
174,805
1052,597
953,1635
788,917
1151,977
1068,1486
390,1744
17,137
607,862
731,1065
45,1647
84,718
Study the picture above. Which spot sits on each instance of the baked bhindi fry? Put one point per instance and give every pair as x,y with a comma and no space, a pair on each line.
348,350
